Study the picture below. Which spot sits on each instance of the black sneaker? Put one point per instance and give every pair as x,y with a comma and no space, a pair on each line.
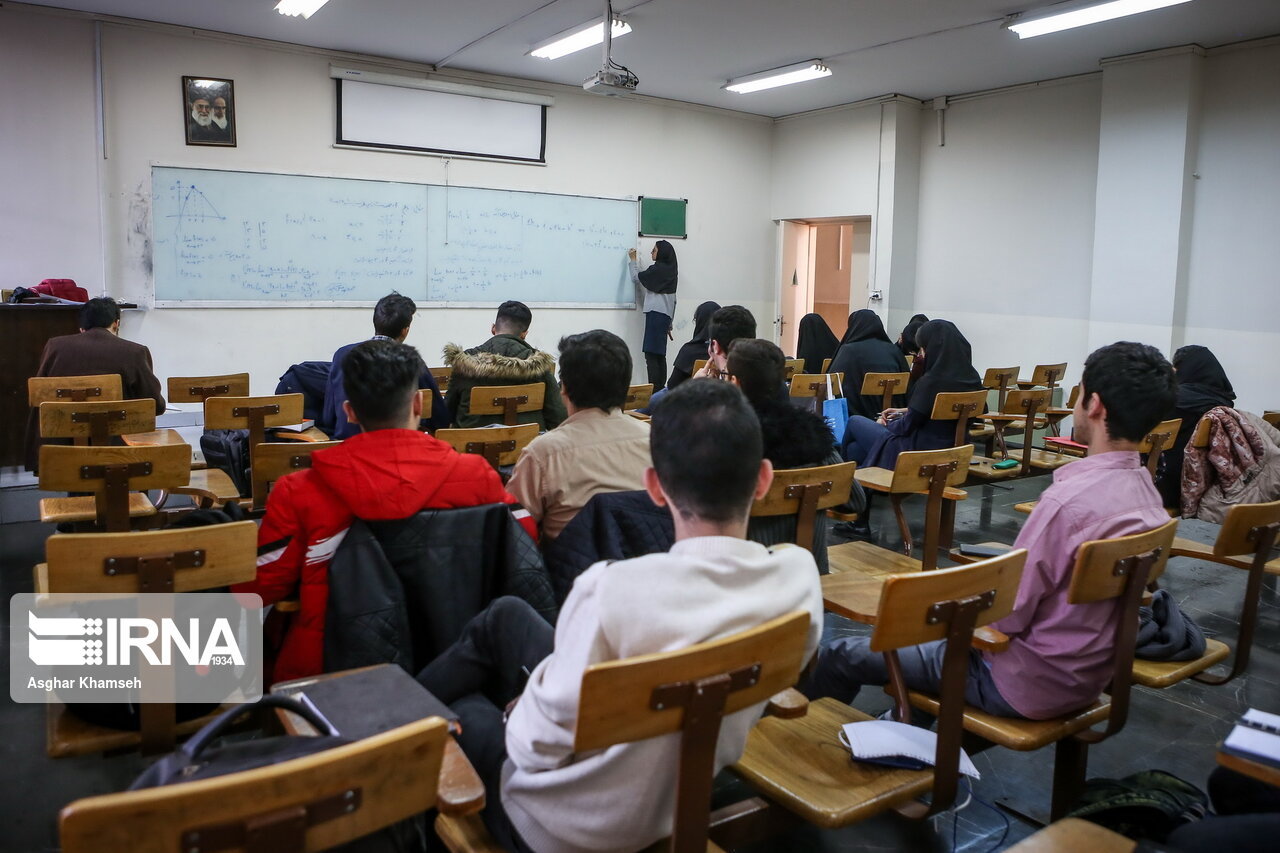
860,529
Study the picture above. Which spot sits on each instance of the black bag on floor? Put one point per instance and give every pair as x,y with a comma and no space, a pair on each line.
228,449
1146,805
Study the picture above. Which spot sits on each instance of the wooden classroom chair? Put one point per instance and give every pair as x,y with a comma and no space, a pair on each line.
686,692
638,396
815,385
959,406
1021,411
316,802
61,389
1031,403
1057,414
801,765
96,422
1104,569
182,560
502,446
887,385
118,477
1000,380
1157,442
791,367
698,364
826,365
1044,376
803,493
1245,541
510,401
441,375
197,389
272,461
1072,835
935,473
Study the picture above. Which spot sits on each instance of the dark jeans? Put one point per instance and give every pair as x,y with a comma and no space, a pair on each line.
477,676
846,664
657,368
860,435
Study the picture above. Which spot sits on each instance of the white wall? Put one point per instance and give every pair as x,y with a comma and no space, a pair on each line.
48,160
825,164
285,121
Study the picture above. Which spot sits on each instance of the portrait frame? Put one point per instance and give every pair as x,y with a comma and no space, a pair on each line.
210,98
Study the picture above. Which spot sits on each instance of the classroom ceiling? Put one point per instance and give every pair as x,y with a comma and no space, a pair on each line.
686,49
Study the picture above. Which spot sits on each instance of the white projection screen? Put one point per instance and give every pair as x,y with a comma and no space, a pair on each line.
407,119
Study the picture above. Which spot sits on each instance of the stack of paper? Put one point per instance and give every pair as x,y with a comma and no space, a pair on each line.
1256,737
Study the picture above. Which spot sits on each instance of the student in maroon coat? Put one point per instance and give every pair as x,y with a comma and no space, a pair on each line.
97,349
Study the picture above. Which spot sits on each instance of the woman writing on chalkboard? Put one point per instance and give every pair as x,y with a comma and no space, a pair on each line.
659,283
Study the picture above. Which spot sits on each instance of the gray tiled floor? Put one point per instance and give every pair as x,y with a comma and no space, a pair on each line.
1175,729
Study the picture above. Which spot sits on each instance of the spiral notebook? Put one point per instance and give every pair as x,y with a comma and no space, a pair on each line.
893,744
1256,737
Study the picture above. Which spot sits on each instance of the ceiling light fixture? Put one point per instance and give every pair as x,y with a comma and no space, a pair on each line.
305,8
1084,17
578,38
798,73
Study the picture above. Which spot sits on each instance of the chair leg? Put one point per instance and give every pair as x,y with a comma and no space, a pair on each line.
1070,764
897,500
1249,609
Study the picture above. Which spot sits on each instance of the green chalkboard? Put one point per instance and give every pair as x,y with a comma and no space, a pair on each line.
663,217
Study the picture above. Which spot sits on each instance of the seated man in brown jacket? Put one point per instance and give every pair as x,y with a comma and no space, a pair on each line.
97,349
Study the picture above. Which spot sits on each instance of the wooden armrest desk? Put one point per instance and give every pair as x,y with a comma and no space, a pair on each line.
1253,769
460,791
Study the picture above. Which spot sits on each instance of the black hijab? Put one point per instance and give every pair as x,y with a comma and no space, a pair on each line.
1202,383
696,348
909,332
948,365
865,325
816,342
661,276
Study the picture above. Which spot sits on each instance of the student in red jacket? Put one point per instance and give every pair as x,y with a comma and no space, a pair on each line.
389,471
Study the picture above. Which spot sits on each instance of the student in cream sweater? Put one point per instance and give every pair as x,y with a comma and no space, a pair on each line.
708,467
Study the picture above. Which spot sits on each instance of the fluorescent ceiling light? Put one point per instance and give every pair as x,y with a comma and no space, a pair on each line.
811,70
1088,15
305,8
578,38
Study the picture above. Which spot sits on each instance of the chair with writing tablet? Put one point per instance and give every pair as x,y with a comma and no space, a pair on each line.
510,401
887,385
686,693
160,561
118,477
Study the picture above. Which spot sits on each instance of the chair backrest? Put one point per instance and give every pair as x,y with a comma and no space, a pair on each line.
1120,568
197,389
1030,405
112,472
507,400
428,402
1200,437
886,385
698,364
689,691
312,803
1000,379
914,470
186,559
1157,441
95,422
958,406
638,397
500,445
826,365
1272,417
791,367
802,492
1048,374
61,389
441,375
271,461
814,385
943,604
1237,536
254,414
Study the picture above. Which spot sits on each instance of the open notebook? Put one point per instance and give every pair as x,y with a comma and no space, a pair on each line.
893,744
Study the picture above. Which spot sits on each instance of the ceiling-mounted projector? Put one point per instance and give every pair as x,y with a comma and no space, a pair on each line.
610,81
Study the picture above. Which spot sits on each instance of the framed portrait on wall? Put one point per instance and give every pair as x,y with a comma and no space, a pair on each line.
209,111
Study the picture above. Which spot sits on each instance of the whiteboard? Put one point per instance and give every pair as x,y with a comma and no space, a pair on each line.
490,245
257,239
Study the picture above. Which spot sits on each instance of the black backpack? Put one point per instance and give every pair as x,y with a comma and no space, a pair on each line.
1147,805
228,449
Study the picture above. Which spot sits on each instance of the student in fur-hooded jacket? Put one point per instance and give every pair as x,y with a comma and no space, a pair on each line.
504,359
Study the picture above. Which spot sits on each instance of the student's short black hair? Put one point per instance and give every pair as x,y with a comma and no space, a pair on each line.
513,317
759,367
706,446
595,369
380,379
1136,384
393,314
99,313
730,323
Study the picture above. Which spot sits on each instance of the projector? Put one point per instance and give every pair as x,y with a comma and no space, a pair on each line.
607,81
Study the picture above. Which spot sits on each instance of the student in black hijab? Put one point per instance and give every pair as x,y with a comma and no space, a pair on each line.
659,283
866,348
948,368
1202,385
815,343
696,348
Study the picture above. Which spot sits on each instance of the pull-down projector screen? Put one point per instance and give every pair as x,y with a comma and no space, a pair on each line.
409,119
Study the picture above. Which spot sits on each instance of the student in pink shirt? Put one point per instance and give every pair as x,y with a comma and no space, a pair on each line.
1060,655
